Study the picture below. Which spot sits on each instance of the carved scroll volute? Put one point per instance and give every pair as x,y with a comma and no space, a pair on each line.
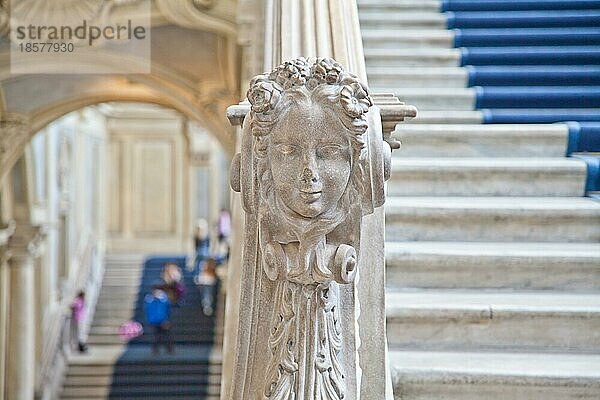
241,174
311,165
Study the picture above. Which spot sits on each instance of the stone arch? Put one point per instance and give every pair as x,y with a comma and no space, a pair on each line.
163,87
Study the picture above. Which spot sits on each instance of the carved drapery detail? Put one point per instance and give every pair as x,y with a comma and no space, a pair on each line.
204,4
14,134
4,18
191,14
309,170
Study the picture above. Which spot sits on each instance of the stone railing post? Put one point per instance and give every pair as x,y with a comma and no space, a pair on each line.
311,171
316,30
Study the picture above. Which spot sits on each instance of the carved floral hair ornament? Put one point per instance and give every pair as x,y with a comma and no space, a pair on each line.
266,90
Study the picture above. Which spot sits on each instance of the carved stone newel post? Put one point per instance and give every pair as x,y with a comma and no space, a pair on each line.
309,169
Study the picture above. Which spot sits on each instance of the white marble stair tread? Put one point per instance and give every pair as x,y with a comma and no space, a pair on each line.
433,99
494,219
421,57
434,77
502,266
430,5
497,176
487,249
410,302
448,117
400,19
482,140
393,38
503,203
478,319
487,367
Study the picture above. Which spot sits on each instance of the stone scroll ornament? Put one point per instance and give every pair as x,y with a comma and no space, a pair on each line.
309,169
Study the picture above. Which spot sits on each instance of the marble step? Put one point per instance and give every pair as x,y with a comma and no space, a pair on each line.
121,281
100,330
402,19
124,264
399,5
100,370
163,397
477,140
433,99
503,266
118,301
122,275
108,320
113,340
429,77
538,321
493,219
198,390
487,177
447,117
428,375
105,380
104,311
419,57
407,38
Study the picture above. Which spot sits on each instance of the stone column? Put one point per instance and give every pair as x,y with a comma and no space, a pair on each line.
20,363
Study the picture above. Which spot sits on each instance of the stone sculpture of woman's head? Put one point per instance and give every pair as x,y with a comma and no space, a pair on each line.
309,120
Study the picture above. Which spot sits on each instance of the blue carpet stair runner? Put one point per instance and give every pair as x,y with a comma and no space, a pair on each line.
185,374
534,62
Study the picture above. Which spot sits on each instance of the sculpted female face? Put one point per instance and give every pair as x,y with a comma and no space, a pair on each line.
310,157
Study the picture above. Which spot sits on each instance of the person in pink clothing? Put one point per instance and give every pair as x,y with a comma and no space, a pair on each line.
224,225
77,315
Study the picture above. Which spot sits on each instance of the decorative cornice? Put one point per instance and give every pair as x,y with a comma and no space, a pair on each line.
393,111
6,232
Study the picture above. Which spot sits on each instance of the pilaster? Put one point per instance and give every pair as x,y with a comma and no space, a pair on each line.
5,233
24,246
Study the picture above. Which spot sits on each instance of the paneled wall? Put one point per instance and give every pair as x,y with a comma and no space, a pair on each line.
147,181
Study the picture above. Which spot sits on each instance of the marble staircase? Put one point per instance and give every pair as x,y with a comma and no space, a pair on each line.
114,370
492,250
